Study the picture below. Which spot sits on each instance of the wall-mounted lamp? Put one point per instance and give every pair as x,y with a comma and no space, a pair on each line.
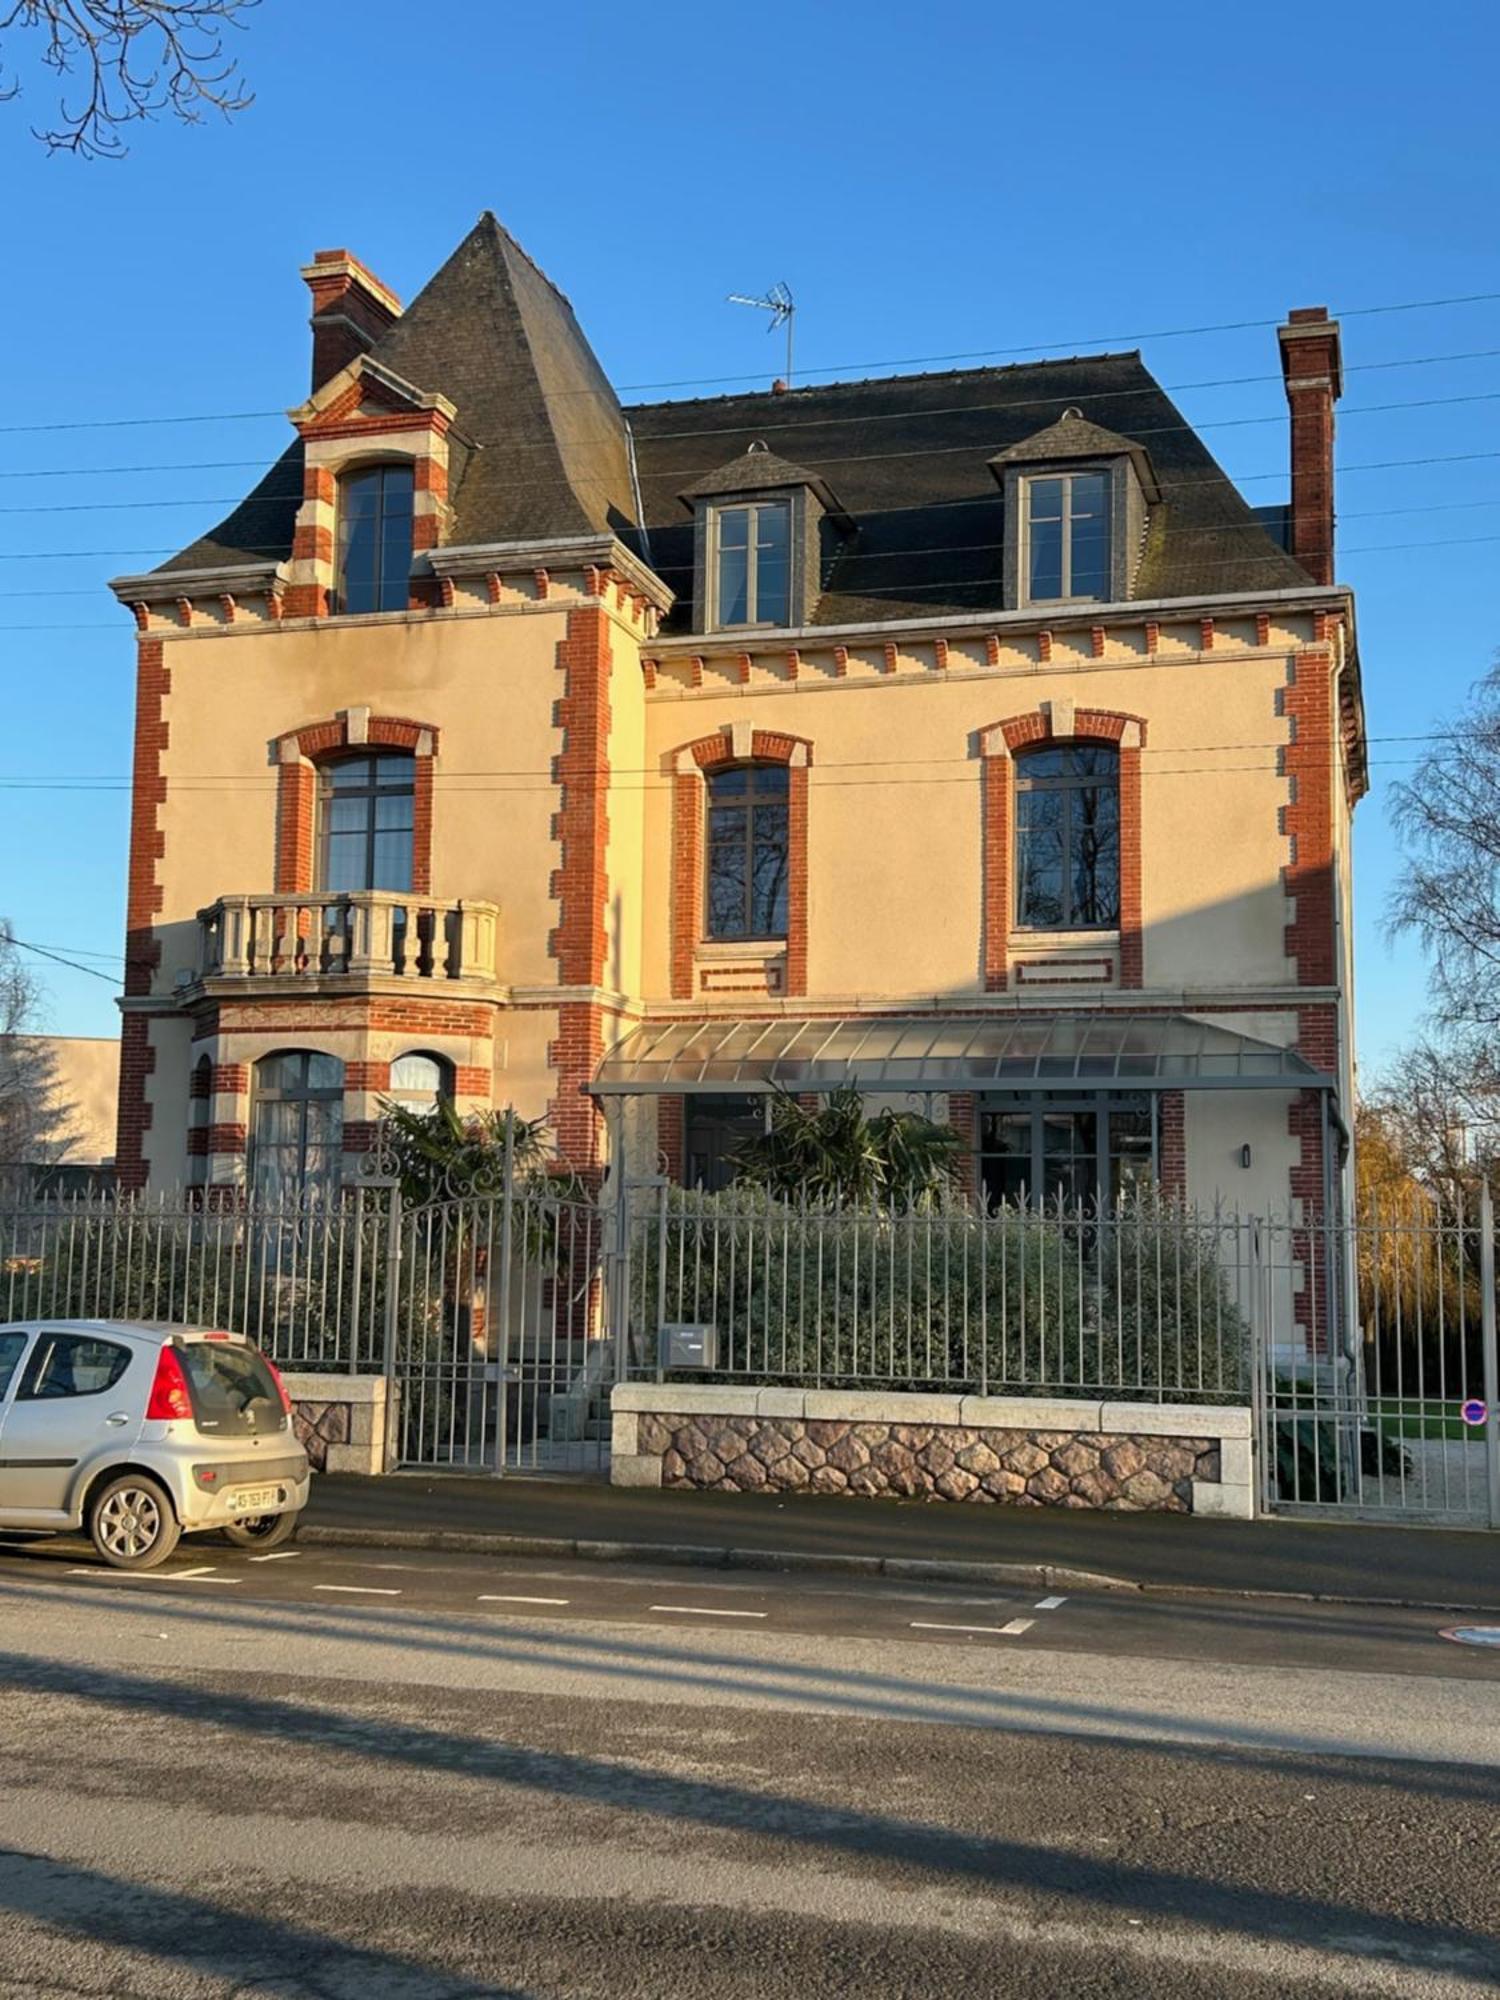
1244,1156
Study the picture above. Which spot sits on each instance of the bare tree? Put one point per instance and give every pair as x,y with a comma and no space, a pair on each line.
1430,1125
132,60
30,1114
1448,813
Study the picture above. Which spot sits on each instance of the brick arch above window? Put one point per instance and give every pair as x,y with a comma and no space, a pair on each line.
999,744
736,743
297,753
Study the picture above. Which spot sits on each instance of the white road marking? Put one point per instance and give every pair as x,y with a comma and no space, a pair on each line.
705,1611
358,1589
202,1576
121,1575
204,1569
1016,1625
1050,1603
501,1598
280,1556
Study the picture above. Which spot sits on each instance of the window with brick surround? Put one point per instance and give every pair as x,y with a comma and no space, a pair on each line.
366,820
374,521
747,851
420,1082
296,1139
1068,837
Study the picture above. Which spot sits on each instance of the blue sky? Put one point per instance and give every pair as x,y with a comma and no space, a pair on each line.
950,179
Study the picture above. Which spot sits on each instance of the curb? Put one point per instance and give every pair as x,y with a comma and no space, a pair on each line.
1030,1576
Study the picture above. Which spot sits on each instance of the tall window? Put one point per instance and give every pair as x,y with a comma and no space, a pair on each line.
1077,1148
297,1137
1068,838
747,851
420,1082
753,572
366,819
374,532
1067,536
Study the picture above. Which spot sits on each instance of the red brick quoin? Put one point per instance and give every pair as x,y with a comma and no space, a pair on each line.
689,762
998,747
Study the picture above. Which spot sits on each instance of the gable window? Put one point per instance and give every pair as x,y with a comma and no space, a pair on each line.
753,563
747,851
366,820
374,538
1068,837
297,1137
1067,537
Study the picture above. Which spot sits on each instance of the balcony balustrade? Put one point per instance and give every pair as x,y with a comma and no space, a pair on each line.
369,934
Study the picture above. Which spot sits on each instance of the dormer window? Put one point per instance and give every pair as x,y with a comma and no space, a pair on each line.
1067,537
1078,501
375,538
753,563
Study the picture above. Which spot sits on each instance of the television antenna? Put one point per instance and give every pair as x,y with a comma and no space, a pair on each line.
782,307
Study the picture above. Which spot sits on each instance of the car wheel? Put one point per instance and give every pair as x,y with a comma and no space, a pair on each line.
132,1523
261,1531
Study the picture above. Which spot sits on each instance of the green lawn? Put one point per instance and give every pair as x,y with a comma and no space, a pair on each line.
1413,1419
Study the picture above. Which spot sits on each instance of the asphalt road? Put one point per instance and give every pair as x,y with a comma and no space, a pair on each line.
350,1772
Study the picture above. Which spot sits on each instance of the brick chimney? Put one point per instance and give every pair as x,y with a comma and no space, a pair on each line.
1312,363
351,309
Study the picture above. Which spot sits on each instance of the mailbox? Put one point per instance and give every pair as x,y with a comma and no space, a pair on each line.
687,1344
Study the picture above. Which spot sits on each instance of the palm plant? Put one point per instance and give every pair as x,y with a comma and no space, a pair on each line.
835,1155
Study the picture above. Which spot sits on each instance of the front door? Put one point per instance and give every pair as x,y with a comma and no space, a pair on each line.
75,1394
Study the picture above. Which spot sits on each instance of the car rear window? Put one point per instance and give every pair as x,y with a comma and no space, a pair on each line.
232,1389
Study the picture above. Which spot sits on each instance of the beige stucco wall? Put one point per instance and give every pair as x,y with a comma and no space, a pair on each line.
85,1075
895,818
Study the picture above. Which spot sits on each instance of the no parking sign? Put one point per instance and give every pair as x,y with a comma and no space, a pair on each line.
1474,1411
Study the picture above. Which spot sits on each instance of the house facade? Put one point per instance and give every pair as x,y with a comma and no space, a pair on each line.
966,737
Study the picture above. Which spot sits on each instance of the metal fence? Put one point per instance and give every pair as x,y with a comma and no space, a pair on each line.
304,1278
501,1319
1149,1301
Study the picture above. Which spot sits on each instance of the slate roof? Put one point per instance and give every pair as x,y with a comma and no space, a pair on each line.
758,470
908,456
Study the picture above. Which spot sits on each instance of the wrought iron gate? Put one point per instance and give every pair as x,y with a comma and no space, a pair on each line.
497,1352
1377,1389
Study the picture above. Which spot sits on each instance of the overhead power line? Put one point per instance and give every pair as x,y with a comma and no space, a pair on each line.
1061,349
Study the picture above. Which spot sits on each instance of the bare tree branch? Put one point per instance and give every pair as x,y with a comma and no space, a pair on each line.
133,59
1448,815
29,1111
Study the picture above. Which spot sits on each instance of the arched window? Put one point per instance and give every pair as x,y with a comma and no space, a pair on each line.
1068,837
365,815
747,851
420,1081
374,538
297,1136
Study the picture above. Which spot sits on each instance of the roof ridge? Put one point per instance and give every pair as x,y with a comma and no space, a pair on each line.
489,215
865,381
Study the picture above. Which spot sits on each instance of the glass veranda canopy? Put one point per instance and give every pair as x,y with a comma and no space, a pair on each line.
913,1052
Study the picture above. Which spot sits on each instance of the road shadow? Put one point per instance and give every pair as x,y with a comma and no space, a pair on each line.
253,1950
905,1846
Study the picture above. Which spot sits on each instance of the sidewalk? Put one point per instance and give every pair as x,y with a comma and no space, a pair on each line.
1445,1568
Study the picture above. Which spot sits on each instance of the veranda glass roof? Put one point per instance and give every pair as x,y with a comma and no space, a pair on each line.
914,1052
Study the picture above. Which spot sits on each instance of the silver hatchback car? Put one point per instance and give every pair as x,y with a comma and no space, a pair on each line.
141,1434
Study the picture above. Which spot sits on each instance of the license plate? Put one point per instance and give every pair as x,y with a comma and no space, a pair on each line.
253,1499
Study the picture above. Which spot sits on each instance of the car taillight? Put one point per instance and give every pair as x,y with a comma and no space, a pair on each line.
286,1401
170,1402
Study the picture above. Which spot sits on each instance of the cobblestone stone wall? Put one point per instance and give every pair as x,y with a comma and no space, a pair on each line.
1021,1468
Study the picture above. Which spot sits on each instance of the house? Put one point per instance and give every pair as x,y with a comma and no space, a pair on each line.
964,736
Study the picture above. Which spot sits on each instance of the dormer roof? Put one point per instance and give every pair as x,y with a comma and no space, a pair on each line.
1073,436
758,469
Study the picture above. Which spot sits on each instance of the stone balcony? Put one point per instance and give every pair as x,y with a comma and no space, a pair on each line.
359,939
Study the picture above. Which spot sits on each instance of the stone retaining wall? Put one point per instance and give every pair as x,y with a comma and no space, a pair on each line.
340,1419
1122,1457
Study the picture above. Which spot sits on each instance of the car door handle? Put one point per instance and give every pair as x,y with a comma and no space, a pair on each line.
119,1417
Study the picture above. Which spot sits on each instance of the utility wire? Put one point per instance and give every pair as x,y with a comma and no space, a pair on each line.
1052,349
58,958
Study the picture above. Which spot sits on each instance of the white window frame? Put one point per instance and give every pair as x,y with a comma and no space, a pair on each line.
784,504
1067,474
